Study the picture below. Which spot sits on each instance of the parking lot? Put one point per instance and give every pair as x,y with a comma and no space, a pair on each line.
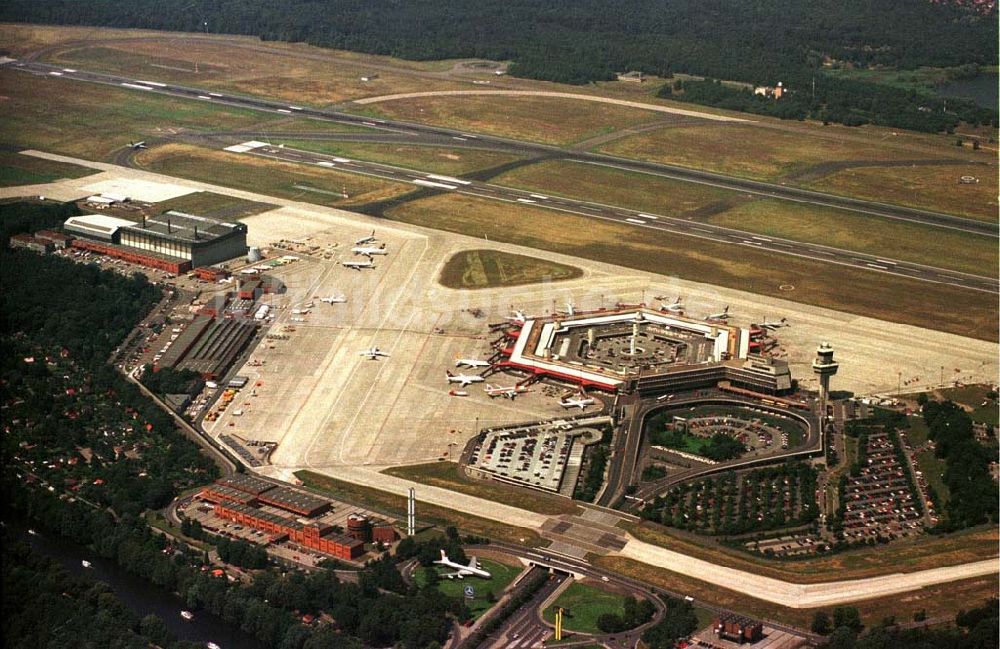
534,456
879,502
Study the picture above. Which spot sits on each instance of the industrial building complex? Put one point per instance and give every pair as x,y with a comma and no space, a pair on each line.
173,241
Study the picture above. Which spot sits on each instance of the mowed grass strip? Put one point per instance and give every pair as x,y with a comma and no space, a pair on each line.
583,604
761,152
934,187
877,295
550,120
617,187
391,504
501,575
17,169
474,269
450,476
922,244
907,555
250,67
272,177
214,205
440,160
91,121
938,601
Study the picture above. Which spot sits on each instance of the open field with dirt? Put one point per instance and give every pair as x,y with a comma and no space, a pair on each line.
474,269
901,240
764,153
540,119
437,160
382,501
17,169
938,601
932,187
92,121
873,294
287,180
450,476
615,187
909,555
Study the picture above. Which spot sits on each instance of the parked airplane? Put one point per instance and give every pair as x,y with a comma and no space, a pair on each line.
724,315
581,402
138,145
464,379
363,240
369,251
458,393
518,317
774,325
674,307
463,571
570,309
334,299
300,311
510,392
471,362
373,353
358,265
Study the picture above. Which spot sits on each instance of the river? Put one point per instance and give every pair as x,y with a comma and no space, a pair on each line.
139,595
981,89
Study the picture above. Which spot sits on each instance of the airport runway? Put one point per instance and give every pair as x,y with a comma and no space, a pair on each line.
758,188
641,221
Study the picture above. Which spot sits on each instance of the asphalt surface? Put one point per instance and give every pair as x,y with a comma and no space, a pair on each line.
640,220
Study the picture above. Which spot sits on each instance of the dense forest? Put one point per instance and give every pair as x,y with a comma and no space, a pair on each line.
760,42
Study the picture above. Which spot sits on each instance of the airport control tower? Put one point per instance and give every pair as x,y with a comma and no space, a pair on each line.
824,367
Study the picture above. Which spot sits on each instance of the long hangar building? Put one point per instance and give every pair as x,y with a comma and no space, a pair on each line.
173,241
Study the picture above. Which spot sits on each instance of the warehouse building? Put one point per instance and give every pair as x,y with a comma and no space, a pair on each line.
30,242
186,239
312,535
208,346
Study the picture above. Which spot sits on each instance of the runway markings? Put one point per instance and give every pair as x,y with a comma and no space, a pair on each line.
431,183
636,221
449,179
648,216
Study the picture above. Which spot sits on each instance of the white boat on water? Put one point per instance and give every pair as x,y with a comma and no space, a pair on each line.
187,615
86,564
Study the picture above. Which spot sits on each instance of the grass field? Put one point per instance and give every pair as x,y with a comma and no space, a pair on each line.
17,169
906,556
934,306
938,601
284,179
474,269
91,121
540,119
391,504
931,187
450,476
582,605
881,237
615,187
768,153
933,469
501,576
255,68
218,206
422,158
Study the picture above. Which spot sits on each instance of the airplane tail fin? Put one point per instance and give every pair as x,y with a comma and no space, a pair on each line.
444,557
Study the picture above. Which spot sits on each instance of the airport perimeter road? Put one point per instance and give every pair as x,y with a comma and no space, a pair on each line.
764,189
640,221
